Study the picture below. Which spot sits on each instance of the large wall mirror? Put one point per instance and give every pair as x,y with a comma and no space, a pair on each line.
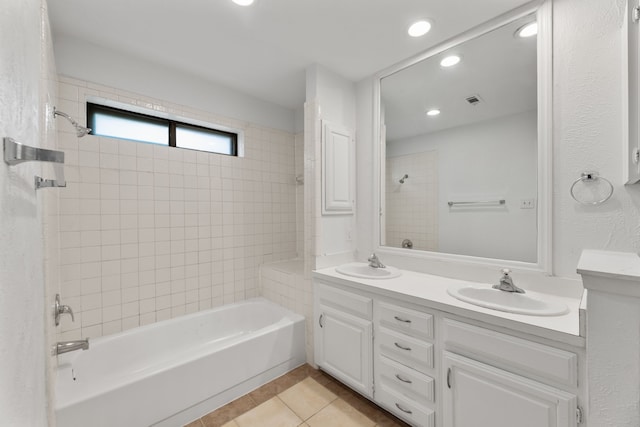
464,133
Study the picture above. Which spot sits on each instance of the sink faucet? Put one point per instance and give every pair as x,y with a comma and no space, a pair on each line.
375,262
506,283
67,346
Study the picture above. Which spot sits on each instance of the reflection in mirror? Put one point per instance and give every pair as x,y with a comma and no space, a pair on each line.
459,149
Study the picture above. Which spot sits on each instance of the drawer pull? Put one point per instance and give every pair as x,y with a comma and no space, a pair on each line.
400,346
406,411
400,319
404,380
449,377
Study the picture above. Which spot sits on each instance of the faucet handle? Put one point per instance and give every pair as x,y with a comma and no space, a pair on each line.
60,309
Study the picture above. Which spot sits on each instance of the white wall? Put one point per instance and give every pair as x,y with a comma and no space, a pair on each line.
587,135
26,96
90,62
335,101
152,232
588,132
491,160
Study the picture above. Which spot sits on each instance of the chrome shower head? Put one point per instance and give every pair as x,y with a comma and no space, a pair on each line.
80,130
403,178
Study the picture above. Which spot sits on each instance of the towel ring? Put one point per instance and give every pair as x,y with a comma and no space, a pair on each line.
591,177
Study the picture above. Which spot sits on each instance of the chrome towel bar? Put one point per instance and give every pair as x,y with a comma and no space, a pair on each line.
481,202
15,152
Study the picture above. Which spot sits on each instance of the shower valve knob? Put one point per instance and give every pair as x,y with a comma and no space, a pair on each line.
60,309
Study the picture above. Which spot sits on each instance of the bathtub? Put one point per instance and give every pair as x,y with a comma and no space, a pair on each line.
172,372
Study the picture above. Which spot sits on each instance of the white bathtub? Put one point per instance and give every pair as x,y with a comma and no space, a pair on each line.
172,372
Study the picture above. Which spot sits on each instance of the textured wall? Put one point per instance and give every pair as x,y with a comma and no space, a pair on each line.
588,132
25,65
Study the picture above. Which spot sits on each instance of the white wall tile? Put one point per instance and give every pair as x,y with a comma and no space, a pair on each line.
150,232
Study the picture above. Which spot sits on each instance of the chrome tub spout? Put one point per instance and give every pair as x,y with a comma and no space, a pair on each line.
67,346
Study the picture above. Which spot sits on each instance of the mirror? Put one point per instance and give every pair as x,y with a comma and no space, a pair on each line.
463,147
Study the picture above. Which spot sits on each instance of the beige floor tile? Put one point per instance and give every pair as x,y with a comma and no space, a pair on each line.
339,414
306,398
272,413
196,423
231,423
228,412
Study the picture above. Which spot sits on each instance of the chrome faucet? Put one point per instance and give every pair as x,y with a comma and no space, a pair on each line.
67,346
506,283
375,262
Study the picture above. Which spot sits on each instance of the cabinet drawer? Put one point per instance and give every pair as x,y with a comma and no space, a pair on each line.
406,320
407,350
405,380
404,407
513,353
346,301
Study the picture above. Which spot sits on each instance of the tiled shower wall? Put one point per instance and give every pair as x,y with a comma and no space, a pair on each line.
412,207
151,232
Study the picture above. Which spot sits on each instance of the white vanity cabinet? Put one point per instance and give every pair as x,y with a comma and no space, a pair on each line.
343,336
497,393
404,362
432,368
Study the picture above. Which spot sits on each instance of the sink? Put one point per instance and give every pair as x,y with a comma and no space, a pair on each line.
510,302
362,270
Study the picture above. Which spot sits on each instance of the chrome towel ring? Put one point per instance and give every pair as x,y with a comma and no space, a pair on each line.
589,177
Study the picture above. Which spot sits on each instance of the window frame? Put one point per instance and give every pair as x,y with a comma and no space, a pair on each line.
93,108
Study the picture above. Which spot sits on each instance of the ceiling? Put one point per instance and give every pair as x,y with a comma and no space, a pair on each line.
497,67
263,50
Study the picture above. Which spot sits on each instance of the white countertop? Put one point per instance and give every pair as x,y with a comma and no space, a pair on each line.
431,291
611,272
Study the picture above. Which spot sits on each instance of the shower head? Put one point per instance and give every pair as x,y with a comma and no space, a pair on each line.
80,130
403,178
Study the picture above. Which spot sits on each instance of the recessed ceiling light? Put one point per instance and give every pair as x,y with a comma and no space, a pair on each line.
433,112
450,61
528,30
420,28
243,2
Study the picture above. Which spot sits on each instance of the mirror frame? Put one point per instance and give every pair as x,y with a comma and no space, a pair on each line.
631,93
543,11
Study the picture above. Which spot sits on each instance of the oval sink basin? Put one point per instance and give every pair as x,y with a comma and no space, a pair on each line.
510,302
362,270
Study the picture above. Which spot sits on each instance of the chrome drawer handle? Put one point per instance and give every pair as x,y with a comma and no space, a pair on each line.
404,380
400,346
403,409
400,319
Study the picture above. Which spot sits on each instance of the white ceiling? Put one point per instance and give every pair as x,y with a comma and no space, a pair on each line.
263,50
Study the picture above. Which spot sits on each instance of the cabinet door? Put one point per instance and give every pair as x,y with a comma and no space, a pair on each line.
345,348
337,170
477,395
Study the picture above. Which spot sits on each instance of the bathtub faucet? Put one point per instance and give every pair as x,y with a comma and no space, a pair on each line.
67,346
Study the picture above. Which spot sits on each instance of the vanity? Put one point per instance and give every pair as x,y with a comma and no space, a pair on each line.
435,361
461,153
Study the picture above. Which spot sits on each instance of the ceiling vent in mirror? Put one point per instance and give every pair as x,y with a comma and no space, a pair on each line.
473,99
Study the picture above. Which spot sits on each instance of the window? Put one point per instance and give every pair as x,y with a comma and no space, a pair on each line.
117,123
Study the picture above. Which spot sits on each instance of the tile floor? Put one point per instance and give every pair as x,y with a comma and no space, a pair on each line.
304,397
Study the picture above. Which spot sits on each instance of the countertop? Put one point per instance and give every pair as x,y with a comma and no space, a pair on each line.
431,291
